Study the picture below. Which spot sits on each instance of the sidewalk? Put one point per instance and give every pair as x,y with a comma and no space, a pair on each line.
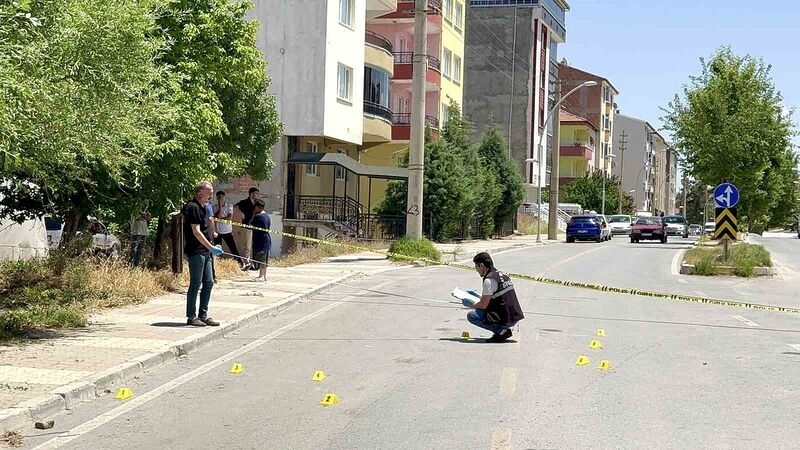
464,251
41,378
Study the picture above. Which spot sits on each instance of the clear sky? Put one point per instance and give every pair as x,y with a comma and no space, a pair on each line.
648,48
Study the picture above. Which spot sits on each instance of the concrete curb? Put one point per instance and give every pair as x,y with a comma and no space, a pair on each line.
688,269
68,396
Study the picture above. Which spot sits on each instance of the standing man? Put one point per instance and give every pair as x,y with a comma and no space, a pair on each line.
262,242
247,208
199,250
139,231
223,210
498,310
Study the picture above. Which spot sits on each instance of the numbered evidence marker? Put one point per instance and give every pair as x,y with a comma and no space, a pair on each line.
329,399
237,368
465,335
123,393
601,332
604,364
595,344
318,376
582,361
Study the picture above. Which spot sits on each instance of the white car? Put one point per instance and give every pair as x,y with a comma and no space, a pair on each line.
605,229
620,224
676,226
710,227
102,243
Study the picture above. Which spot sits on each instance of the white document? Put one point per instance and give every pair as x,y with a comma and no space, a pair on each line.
464,295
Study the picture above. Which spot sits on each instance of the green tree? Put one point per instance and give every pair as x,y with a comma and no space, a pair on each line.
730,126
587,191
494,155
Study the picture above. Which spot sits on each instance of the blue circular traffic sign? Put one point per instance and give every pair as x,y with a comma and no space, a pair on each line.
726,195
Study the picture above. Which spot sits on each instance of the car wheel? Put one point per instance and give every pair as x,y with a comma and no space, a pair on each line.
570,240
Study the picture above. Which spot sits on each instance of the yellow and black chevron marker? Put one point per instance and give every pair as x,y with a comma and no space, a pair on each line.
727,224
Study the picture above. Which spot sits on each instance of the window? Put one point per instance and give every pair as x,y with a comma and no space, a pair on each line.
402,105
339,170
344,79
376,86
445,114
346,12
457,69
447,56
459,19
311,169
448,10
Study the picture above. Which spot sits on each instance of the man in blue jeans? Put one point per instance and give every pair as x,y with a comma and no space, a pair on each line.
498,310
199,252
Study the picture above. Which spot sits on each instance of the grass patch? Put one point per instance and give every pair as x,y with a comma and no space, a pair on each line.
528,225
314,253
744,258
420,248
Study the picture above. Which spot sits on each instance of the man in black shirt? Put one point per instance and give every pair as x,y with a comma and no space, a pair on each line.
199,252
248,209
498,310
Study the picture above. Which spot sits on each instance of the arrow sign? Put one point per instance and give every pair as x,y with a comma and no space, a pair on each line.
726,195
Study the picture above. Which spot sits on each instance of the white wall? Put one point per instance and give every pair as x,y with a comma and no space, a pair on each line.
344,45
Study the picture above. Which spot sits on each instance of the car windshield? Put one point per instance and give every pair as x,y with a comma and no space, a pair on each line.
648,221
52,224
673,219
618,219
583,219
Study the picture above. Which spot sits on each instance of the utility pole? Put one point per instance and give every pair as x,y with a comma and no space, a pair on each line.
552,216
622,147
416,154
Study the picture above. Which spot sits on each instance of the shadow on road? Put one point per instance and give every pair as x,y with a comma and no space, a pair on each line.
169,324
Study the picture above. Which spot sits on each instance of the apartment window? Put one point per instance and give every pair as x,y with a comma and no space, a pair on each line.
448,10
457,69
344,80
459,16
445,114
447,57
346,8
402,105
339,170
311,169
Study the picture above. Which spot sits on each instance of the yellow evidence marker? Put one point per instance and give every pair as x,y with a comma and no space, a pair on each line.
123,393
318,376
329,399
582,360
595,344
601,332
465,335
604,364
237,368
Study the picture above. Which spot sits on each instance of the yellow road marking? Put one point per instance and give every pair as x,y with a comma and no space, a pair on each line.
501,439
508,382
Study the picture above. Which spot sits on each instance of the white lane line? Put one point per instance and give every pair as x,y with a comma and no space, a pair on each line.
681,280
501,439
746,321
574,257
795,346
508,382
135,402
675,267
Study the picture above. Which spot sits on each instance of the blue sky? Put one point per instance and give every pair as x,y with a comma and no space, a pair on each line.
648,48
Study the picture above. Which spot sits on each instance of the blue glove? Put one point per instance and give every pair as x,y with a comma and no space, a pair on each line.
474,292
216,250
466,303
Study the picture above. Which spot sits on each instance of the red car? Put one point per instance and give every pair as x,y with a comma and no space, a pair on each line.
649,229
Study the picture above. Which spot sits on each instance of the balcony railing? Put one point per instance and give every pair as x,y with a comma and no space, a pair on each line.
408,58
405,119
378,41
432,4
377,110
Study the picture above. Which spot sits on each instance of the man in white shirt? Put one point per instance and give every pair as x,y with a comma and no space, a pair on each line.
139,231
223,210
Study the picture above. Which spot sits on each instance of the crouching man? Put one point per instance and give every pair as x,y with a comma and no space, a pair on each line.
498,310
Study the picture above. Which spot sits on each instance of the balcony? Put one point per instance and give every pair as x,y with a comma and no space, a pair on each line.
401,126
579,149
378,41
377,123
378,52
404,67
405,8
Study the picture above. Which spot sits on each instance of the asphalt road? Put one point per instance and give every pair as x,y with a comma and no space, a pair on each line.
682,375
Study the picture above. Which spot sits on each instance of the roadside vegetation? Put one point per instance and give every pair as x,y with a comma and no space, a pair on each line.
527,224
744,258
421,248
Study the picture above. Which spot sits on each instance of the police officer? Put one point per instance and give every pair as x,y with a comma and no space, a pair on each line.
498,310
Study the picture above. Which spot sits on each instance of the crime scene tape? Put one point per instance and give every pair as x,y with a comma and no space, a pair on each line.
545,280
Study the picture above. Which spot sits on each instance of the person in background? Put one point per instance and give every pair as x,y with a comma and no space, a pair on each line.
223,210
199,251
139,231
247,208
212,233
262,241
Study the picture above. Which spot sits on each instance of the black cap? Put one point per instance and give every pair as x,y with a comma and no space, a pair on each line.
259,203
252,189
220,193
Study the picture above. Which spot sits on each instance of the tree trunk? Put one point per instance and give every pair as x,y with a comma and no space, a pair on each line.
71,226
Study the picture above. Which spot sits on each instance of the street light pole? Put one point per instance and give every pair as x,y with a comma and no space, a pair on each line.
606,158
540,154
416,154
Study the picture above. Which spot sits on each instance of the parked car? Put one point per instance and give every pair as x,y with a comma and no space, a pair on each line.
676,226
709,228
695,229
103,243
620,224
649,228
605,227
585,227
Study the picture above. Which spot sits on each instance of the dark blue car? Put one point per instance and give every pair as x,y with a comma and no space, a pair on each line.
586,227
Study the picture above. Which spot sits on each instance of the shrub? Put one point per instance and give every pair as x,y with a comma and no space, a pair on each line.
421,248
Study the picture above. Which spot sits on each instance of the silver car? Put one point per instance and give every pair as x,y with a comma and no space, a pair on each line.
620,224
676,226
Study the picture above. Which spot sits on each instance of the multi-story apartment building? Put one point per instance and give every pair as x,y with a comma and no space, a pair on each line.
646,165
595,103
577,140
444,76
331,79
511,69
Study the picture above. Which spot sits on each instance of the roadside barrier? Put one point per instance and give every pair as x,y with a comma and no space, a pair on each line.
546,280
